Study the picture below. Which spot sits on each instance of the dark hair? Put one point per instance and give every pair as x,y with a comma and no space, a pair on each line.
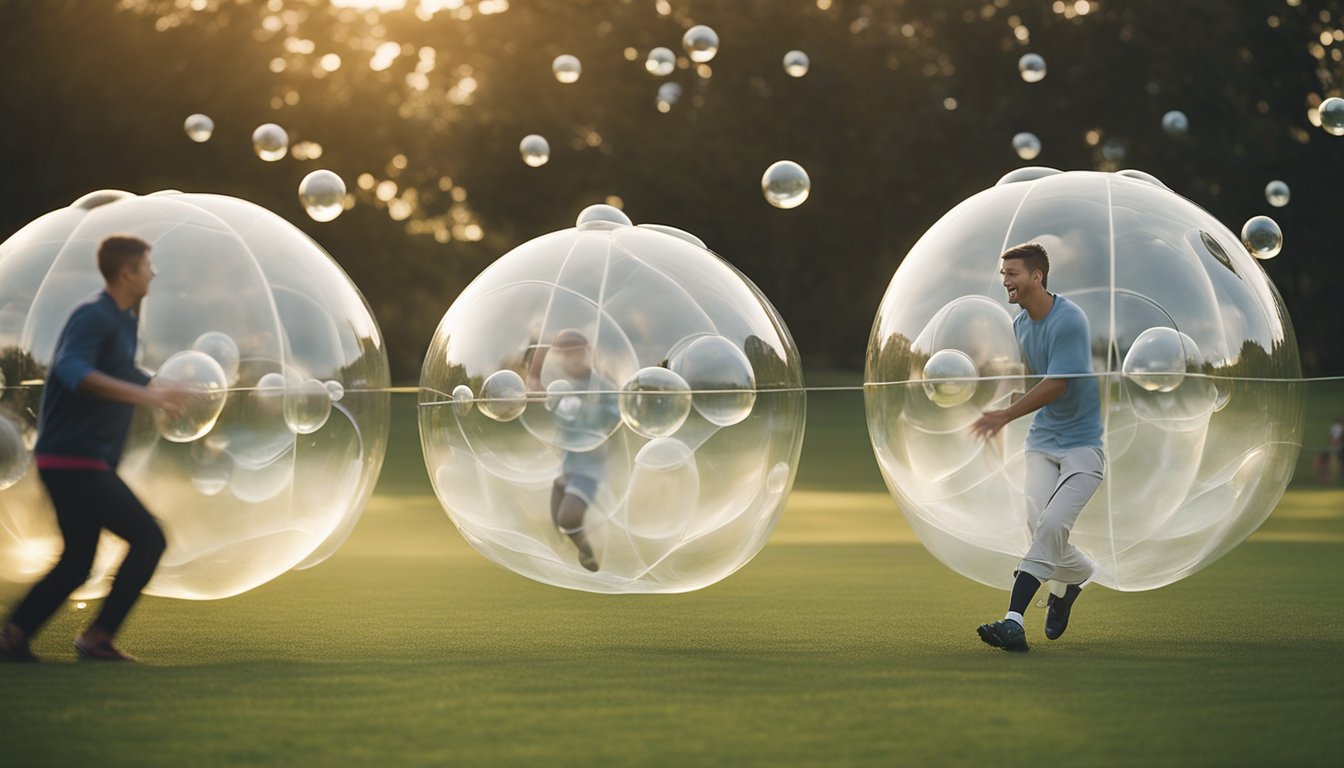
116,251
1033,256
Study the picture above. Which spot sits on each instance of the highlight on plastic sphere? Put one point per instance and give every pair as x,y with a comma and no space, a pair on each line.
322,195
268,468
1026,145
199,127
566,68
270,142
796,63
535,150
1193,352
785,184
1031,66
1277,193
701,43
631,371
1262,237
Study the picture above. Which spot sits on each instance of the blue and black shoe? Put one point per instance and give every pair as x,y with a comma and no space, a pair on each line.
1057,611
1006,634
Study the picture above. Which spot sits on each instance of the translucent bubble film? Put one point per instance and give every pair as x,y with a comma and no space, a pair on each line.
1193,351
269,469
626,372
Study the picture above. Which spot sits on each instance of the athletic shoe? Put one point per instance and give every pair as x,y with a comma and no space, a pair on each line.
588,560
101,651
1057,611
1006,634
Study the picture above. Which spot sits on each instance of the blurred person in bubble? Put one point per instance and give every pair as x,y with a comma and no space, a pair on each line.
583,406
1064,457
91,391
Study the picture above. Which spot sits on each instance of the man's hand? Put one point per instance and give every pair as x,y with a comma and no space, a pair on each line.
171,399
989,424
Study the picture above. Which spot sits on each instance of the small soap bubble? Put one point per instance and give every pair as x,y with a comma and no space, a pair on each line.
1026,145
335,389
796,63
536,151
205,379
199,127
1157,360
701,43
602,216
949,377
322,194
1175,123
720,377
1277,193
307,406
270,141
1032,67
655,402
1262,237
462,400
503,396
556,392
661,62
785,184
223,349
566,68
668,94
1332,116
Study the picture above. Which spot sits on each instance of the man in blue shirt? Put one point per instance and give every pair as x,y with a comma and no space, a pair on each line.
1064,457
91,392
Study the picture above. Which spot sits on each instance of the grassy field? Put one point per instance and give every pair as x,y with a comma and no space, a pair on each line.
842,643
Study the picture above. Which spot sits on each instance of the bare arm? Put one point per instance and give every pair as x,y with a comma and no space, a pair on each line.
1045,392
107,387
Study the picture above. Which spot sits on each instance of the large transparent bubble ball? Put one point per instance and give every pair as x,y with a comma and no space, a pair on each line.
1331,113
785,184
1196,361
645,369
277,477
701,43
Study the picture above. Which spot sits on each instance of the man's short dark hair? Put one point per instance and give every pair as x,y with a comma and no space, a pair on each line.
1033,256
116,251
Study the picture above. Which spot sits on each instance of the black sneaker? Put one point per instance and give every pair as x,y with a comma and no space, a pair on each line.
1006,634
1057,611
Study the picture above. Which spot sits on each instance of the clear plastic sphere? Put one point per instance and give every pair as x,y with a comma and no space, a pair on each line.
1193,351
536,151
322,194
1331,113
503,396
796,63
785,184
199,127
567,68
949,378
1277,193
643,370
1032,67
1175,123
270,486
270,142
198,373
661,62
462,400
1262,237
701,43
1026,145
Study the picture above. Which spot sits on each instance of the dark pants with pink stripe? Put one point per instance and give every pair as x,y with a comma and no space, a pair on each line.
87,501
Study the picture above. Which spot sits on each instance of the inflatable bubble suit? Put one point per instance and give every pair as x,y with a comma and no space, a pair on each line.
270,469
642,368
1195,355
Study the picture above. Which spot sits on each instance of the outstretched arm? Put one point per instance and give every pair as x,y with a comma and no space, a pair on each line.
1045,392
107,387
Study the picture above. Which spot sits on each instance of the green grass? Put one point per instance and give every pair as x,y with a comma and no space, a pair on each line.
842,643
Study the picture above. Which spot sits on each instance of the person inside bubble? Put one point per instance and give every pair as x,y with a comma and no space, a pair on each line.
92,388
581,406
1064,456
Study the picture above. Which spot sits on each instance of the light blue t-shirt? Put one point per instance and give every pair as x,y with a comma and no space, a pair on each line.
1056,345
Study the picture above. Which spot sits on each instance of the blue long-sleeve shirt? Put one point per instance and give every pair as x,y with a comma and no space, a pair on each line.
99,336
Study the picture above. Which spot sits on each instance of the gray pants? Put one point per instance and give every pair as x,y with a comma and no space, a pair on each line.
1058,487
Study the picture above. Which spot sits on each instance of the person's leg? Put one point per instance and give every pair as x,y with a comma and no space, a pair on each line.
569,518
1009,634
70,494
122,513
557,495
1081,471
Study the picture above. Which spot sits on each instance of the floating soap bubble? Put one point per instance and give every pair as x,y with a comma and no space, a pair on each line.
701,43
796,63
335,390
655,402
536,151
1026,145
641,375
270,142
660,62
322,194
246,301
566,68
1032,67
785,184
1262,237
199,127
198,373
949,377
668,94
1277,193
1331,113
1175,123
1201,398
